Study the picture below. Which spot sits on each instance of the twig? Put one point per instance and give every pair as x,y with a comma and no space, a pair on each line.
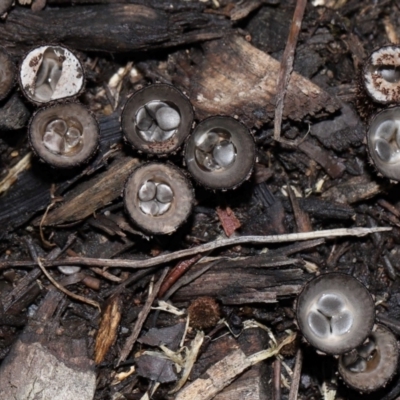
141,319
286,69
66,291
294,387
137,264
277,379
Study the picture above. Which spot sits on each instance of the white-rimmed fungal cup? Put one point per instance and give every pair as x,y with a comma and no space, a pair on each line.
158,197
372,364
7,74
383,138
157,119
220,153
64,135
335,313
51,73
381,75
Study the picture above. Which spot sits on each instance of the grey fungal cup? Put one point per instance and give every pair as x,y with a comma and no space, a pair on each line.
7,74
220,153
50,73
157,119
335,313
381,75
158,197
383,138
64,135
372,364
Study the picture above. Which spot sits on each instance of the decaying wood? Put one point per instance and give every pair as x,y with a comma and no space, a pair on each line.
13,113
108,28
130,341
225,371
286,67
252,384
94,194
234,78
294,387
44,364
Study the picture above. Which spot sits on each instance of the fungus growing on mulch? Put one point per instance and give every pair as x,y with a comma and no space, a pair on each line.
50,73
157,119
335,313
64,135
220,153
158,197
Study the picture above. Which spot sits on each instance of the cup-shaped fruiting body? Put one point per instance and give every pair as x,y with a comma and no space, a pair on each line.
157,119
158,197
371,365
7,74
64,135
381,75
383,138
5,5
220,153
51,73
335,313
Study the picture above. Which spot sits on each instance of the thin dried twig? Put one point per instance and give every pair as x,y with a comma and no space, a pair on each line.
64,290
137,264
286,69
141,319
294,387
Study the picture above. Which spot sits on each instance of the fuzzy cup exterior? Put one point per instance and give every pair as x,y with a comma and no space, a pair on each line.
50,136
373,364
335,313
141,108
7,74
382,75
179,208
209,149
51,73
383,139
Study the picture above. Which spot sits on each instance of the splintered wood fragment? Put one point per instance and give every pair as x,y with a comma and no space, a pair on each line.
235,78
294,387
355,189
243,9
229,221
303,221
108,328
287,66
108,28
334,168
225,371
90,196
13,173
130,341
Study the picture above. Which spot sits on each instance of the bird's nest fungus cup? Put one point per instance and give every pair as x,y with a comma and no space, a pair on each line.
381,75
64,135
51,73
157,119
371,365
220,153
158,197
335,313
383,138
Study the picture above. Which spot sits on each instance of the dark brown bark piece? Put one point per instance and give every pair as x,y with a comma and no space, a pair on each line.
234,78
13,114
111,28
